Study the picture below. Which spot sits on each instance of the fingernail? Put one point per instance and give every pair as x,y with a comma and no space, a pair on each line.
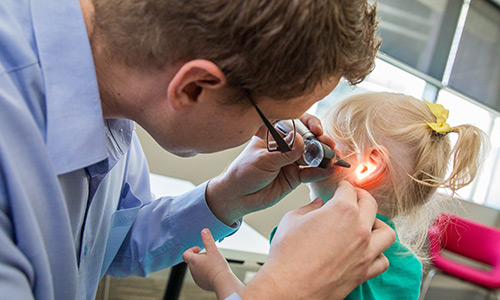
318,201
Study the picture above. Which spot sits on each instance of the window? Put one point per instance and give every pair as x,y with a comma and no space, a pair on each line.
492,190
385,77
419,33
476,69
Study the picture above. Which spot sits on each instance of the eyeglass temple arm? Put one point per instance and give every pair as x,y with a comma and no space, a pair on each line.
282,145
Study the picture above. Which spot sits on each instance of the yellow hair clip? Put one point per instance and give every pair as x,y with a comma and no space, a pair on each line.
441,114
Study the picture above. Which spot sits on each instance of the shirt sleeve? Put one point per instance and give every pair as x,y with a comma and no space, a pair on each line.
164,228
233,296
20,186
14,266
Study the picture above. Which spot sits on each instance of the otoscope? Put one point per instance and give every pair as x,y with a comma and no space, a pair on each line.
316,154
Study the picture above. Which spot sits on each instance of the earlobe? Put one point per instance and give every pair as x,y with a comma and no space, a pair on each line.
191,79
372,168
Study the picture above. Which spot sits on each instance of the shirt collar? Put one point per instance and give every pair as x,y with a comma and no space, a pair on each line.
119,137
75,128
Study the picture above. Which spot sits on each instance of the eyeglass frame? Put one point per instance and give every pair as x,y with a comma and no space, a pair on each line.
282,145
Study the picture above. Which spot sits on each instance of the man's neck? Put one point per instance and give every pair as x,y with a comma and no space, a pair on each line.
88,12
103,65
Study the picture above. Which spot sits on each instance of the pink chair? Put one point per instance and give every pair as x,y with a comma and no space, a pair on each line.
471,240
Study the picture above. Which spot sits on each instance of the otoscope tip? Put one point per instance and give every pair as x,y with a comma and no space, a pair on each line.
342,163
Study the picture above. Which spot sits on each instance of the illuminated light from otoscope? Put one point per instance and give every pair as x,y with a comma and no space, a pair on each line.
364,169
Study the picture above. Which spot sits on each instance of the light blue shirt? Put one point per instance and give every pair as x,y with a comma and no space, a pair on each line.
233,296
75,200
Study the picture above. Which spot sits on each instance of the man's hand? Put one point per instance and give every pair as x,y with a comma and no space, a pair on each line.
324,251
258,178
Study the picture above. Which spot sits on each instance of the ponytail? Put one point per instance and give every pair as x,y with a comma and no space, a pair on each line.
466,156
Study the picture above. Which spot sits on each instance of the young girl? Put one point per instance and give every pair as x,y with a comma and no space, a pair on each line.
399,148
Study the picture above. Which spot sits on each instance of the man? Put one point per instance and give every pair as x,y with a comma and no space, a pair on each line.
75,202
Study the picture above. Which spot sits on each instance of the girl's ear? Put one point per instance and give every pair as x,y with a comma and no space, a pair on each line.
189,81
372,168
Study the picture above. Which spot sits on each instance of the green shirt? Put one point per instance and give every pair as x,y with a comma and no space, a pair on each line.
402,279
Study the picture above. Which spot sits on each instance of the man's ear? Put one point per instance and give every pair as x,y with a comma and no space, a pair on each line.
372,168
190,80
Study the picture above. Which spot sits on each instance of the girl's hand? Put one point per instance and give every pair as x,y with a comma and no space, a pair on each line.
210,269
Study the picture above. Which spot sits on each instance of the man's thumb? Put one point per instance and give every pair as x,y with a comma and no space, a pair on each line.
315,204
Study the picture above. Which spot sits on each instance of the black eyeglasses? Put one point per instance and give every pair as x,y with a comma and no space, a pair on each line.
275,136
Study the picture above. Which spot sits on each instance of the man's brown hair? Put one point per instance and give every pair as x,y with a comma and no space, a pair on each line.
274,48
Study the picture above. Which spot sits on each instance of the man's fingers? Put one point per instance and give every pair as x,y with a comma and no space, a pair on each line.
291,156
208,240
307,175
313,123
315,126
345,193
313,205
383,236
261,133
367,206
379,265
276,160
325,139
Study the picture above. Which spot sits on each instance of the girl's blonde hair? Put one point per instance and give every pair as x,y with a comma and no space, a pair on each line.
417,157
